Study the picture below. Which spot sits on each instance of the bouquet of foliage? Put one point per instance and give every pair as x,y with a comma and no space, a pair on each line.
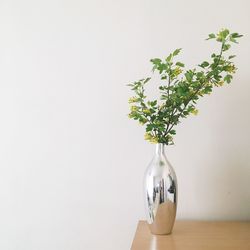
180,89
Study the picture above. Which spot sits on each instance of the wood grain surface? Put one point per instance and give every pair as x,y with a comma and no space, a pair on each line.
195,235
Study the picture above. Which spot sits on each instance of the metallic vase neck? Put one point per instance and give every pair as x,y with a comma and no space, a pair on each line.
160,149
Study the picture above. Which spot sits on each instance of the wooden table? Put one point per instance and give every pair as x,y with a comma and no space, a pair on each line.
195,235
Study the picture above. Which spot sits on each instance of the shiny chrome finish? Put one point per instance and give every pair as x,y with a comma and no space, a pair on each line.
160,193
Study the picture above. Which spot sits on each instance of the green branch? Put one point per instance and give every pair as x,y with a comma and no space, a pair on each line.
181,91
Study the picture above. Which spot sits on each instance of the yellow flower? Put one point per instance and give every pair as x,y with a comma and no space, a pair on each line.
177,71
162,106
195,112
154,140
132,99
130,115
133,108
221,83
146,111
231,69
149,137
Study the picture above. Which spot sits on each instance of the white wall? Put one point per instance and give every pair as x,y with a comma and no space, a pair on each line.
71,163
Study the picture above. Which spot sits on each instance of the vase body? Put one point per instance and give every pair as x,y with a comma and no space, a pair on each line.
160,193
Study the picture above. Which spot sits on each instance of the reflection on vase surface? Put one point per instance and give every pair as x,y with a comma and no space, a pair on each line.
156,243
160,191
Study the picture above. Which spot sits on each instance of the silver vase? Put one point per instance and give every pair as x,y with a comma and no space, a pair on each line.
160,193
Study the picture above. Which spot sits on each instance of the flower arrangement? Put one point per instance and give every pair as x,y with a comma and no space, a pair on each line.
180,89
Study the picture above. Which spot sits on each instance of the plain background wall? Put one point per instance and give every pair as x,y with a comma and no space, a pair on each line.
71,162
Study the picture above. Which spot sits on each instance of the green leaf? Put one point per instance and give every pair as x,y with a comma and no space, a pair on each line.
189,76
146,80
130,85
219,39
156,60
204,64
176,52
172,132
233,39
168,59
226,47
236,35
232,56
154,103
228,78
224,33
149,127
180,64
207,89
211,36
